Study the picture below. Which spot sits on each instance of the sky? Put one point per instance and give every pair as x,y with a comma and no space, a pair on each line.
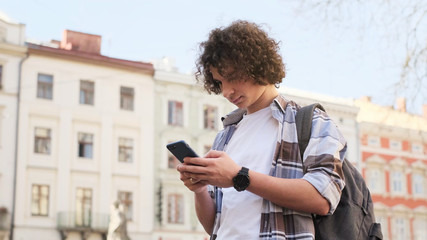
346,60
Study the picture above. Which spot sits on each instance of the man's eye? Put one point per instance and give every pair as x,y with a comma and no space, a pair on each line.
218,82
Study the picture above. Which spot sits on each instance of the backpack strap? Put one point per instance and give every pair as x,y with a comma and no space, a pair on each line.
303,121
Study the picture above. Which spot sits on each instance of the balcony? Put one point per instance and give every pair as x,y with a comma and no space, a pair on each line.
85,224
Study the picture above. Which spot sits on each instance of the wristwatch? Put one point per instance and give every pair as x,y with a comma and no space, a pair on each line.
241,180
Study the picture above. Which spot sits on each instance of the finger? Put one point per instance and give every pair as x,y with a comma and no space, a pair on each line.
194,181
195,161
178,167
195,178
188,170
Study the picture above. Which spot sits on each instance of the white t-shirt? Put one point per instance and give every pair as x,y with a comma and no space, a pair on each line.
252,145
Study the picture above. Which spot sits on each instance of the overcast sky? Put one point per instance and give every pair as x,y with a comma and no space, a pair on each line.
320,57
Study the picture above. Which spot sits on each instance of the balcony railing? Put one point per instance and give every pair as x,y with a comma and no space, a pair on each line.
70,221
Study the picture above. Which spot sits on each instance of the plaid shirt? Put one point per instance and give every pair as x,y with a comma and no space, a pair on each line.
322,168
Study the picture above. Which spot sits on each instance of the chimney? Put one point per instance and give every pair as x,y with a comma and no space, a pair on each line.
401,104
81,42
425,111
366,98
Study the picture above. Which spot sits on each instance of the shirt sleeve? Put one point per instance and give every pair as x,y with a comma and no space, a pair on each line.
323,159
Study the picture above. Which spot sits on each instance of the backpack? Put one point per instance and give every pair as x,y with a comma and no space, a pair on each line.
354,217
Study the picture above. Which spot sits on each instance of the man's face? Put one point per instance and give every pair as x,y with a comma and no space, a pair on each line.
243,93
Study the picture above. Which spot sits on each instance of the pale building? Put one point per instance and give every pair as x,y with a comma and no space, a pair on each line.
12,53
394,162
85,140
183,111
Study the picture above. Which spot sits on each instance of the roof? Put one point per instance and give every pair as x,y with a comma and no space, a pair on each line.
98,59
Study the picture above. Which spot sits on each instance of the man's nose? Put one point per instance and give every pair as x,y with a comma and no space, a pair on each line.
227,90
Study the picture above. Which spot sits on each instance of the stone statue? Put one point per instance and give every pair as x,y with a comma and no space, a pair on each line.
117,227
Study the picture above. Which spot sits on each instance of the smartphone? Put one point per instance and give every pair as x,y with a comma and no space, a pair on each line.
180,150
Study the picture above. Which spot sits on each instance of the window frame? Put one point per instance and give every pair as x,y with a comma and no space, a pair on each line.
82,143
400,226
47,139
395,145
175,208
124,150
175,113
87,92
126,199
210,117
418,182
398,181
373,141
127,98
39,200
86,217
44,88
376,180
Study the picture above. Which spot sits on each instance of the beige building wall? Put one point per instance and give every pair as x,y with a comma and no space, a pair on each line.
182,88
62,170
12,53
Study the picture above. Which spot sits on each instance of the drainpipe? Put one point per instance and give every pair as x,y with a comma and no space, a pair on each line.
12,219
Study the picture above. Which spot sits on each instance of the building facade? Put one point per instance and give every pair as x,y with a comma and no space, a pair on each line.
183,111
85,141
393,146
12,53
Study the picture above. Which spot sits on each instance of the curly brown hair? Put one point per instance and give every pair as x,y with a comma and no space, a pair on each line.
240,51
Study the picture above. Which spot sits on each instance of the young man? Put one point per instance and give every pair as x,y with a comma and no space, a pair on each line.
253,185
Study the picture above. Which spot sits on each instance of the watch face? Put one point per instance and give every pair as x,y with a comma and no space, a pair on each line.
241,182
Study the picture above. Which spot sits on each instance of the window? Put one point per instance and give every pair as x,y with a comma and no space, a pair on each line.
175,113
420,229
125,199
418,184
83,207
40,200
175,208
373,141
125,150
1,76
398,182
417,148
85,145
44,86
42,140
126,98
395,145
375,181
400,229
87,92
382,219
210,114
